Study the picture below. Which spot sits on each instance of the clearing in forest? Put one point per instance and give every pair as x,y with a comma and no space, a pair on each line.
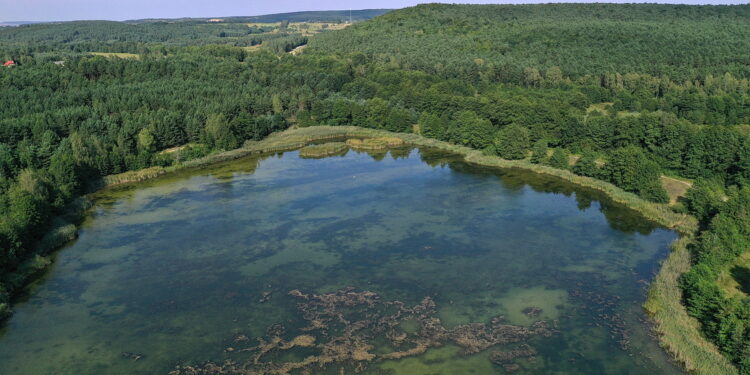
676,188
735,279
117,55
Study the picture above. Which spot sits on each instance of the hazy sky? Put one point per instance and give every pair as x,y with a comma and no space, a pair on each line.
65,10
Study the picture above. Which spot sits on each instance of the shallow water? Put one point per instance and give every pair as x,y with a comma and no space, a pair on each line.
174,270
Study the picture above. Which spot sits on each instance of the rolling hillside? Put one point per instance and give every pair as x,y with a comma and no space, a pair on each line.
502,40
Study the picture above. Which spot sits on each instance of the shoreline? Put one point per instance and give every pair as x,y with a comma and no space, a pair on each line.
677,332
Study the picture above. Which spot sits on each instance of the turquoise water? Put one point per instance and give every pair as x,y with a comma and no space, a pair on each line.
198,267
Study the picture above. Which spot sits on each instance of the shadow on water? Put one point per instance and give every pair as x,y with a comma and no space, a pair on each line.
618,216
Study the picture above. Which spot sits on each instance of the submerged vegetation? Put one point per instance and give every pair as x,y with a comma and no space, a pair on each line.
351,322
613,97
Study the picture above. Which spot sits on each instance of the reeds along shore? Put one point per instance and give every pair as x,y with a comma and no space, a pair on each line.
323,150
678,332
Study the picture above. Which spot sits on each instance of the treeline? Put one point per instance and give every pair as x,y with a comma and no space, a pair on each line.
508,121
95,35
334,16
60,42
162,35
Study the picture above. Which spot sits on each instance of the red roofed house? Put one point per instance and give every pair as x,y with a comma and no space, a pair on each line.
9,63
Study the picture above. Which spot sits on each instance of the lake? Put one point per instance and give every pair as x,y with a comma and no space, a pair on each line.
405,262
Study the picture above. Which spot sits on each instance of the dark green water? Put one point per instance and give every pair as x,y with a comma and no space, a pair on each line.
175,269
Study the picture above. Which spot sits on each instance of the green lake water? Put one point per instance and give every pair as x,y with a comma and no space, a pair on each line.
196,267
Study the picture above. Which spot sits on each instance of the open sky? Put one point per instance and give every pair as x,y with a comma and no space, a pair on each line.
66,10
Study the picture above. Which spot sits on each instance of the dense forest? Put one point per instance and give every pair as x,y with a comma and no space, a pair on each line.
60,41
158,35
500,42
623,93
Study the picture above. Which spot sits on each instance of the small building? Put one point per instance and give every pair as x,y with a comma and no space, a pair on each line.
9,63
60,63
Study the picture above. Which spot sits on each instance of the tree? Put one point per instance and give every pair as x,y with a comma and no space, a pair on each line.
64,173
7,161
532,77
553,76
378,111
219,134
630,169
278,105
560,159
341,112
167,129
146,141
433,126
586,166
472,130
704,199
26,214
539,152
512,142
399,120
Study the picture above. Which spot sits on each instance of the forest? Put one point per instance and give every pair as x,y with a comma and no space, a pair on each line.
333,16
623,93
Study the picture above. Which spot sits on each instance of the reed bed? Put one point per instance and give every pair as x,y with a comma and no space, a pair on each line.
678,332
373,144
61,233
133,176
323,150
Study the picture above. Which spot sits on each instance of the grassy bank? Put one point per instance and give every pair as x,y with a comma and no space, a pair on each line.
678,332
323,150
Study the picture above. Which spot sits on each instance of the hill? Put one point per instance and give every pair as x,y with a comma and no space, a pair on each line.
131,36
679,41
310,16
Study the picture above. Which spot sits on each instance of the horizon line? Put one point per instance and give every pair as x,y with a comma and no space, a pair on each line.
530,2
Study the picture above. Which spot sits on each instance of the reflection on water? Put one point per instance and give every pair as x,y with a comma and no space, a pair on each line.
198,266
